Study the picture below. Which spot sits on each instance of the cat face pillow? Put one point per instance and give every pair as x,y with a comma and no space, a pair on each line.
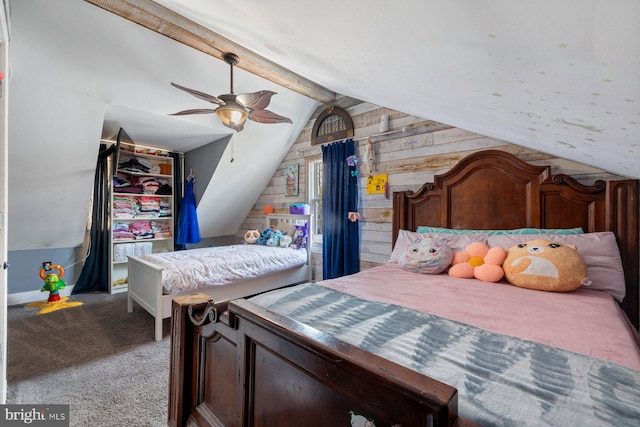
427,256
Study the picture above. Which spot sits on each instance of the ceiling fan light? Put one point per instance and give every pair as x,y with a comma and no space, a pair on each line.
231,114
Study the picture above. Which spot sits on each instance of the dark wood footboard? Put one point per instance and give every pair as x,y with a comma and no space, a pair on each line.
236,364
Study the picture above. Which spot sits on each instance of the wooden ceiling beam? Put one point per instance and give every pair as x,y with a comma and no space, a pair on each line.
170,24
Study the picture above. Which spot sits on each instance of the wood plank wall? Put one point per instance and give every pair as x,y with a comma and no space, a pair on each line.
410,158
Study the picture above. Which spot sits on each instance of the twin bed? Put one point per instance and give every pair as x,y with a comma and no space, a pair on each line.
222,272
388,346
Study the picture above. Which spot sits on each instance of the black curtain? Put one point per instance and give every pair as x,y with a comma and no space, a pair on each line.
95,272
340,239
177,195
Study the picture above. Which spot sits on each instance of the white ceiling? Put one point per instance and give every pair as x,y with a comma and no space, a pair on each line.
558,76
79,73
562,77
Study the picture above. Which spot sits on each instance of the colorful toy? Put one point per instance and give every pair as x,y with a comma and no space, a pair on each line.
266,234
545,265
274,238
285,241
300,236
428,256
479,261
53,284
251,236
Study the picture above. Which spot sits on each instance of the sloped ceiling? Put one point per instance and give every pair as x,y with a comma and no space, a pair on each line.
77,74
559,77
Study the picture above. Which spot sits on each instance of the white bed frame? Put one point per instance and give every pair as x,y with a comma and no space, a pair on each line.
145,281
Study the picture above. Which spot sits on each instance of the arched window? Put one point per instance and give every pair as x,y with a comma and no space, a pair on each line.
333,124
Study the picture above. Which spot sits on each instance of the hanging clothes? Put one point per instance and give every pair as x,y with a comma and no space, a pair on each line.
188,230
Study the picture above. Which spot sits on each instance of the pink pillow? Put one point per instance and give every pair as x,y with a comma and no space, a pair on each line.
599,250
479,261
457,242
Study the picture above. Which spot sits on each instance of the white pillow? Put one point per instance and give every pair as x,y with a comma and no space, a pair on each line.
457,242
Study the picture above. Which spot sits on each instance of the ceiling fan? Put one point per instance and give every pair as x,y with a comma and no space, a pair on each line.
234,109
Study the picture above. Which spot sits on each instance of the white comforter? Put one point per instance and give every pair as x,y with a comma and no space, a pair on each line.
222,265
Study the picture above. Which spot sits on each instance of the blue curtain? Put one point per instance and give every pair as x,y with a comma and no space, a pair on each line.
340,239
95,272
188,229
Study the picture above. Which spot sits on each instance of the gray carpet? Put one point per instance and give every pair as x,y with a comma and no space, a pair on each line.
96,357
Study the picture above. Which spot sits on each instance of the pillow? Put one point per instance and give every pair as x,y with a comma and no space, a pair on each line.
454,241
427,229
286,226
545,265
479,261
427,255
599,251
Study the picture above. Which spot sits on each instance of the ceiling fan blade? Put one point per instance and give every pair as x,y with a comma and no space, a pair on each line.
194,111
266,116
256,100
198,94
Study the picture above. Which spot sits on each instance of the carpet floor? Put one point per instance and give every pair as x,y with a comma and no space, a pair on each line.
96,357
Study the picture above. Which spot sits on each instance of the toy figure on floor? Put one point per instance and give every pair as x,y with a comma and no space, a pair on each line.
53,284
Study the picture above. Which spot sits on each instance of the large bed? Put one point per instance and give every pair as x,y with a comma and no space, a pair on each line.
434,351
221,272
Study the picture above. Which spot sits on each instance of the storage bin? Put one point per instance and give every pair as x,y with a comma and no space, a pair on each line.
299,209
165,169
143,248
122,250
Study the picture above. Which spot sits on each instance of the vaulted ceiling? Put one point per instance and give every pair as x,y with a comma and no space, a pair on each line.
559,77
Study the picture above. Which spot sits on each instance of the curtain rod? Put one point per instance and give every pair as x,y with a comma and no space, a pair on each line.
403,129
361,138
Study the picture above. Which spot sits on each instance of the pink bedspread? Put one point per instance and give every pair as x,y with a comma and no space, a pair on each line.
585,321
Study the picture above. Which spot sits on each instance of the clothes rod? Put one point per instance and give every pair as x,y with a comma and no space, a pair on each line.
110,141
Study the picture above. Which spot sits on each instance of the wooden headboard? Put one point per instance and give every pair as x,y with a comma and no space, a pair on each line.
494,190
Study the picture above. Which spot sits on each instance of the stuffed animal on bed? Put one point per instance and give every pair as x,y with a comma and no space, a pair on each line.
251,236
545,265
300,236
428,256
285,241
266,234
274,238
480,262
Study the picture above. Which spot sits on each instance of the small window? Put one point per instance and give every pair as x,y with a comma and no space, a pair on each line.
333,124
315,196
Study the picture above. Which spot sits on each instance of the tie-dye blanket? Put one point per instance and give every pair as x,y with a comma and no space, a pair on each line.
501,380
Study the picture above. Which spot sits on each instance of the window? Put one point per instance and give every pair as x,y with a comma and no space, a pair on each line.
333,124
315,196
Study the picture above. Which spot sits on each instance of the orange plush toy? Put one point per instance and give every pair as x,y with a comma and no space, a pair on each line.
479,261
545,265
